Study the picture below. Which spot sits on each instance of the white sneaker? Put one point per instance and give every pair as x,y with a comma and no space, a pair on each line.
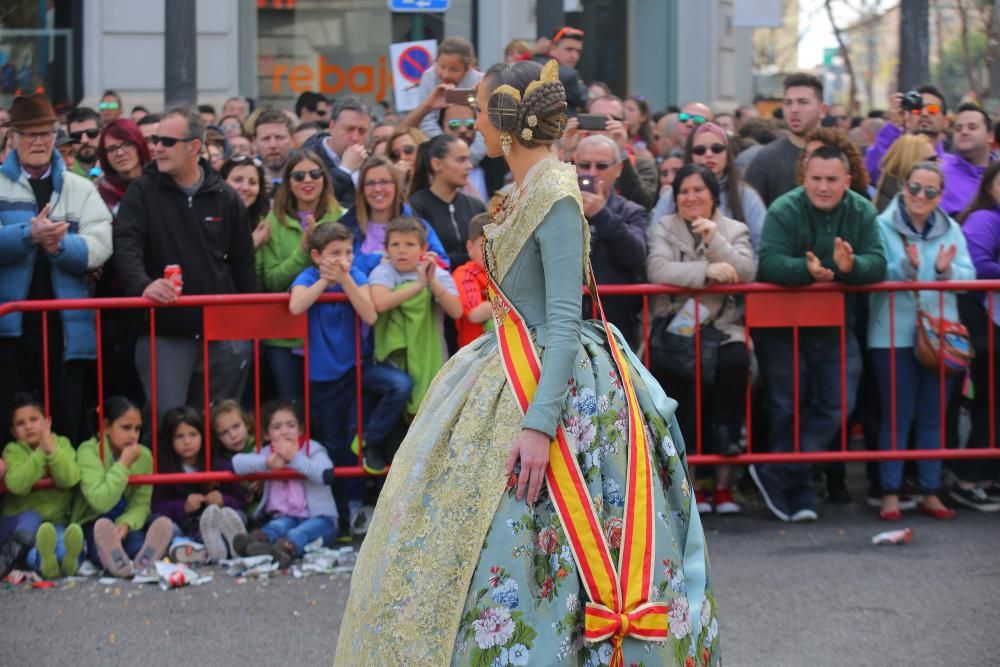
803,516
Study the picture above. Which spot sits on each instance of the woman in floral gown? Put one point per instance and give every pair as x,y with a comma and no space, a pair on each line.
472,557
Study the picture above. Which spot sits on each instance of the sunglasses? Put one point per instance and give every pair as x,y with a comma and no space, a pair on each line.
697,120
601,166
397,153
240,159
929,191
715,148
108,106
92,133
456,123
314,174
169,142
572,33
931,109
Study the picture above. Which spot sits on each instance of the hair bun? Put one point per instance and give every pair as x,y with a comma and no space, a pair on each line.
542,114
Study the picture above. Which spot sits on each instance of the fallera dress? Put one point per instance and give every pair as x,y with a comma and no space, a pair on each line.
454,569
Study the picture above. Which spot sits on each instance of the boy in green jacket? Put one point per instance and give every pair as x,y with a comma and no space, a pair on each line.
37,453
820,232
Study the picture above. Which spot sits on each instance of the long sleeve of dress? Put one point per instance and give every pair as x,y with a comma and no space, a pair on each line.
560,240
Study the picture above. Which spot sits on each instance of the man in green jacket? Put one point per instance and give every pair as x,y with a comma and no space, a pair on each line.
820,232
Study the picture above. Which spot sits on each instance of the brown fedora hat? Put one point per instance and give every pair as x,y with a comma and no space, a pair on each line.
31,110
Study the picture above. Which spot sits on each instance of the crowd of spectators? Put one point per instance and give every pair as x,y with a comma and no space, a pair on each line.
323,199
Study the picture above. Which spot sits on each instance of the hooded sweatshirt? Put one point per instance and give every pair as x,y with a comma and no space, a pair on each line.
894,225
27,465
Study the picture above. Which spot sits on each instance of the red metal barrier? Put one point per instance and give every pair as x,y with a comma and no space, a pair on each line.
259,317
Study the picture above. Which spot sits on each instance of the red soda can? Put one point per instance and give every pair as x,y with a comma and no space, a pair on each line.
172,274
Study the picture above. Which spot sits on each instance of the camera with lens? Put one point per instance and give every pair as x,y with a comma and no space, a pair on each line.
912,101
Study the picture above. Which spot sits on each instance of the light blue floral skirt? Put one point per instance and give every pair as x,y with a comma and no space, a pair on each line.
525,603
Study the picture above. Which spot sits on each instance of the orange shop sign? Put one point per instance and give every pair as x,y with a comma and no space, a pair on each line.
331,78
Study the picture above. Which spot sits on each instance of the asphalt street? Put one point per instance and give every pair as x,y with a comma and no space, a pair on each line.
795,595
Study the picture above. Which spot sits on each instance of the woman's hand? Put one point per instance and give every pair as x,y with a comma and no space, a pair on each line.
722,272
532,448
706,228
944,257
261,234
913,252
308,232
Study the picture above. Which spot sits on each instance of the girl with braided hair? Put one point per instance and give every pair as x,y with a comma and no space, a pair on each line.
539,509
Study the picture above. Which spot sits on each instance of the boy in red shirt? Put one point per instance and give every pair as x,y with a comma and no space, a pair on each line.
470,279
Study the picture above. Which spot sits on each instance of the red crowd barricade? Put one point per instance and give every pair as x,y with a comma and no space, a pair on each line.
257,317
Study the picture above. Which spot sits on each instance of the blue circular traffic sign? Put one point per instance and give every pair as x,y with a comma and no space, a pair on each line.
413,62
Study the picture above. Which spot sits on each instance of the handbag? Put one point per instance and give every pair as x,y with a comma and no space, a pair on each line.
956,350
674,355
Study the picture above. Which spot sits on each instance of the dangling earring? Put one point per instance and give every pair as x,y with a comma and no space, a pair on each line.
505,142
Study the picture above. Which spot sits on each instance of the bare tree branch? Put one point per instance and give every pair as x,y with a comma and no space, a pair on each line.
852,97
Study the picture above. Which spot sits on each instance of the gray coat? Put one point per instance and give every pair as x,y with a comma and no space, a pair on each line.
675,260
318,495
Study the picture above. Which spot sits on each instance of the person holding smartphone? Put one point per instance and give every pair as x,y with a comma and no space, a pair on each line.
617,229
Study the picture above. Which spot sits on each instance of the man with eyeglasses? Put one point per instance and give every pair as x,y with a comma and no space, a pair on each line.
617,229
110,107
312,107
566,48
772,171
342,148
85,130
180,211
930,119
691,116
964,169
839,117
639,180
54,229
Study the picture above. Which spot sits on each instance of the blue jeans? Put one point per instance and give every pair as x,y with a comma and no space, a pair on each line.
820,403
26,523
34,559
301,532
386,391
918,396
288,372
133,541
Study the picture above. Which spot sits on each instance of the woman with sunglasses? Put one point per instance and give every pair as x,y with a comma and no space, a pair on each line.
695,247
977,484
709,146
908,150
246,176
381,185
402,151
303,200
921,243
122,155
442,172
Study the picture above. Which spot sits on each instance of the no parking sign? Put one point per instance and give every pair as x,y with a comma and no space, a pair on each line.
409,62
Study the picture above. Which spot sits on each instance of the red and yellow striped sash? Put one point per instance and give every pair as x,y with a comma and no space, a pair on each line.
618,603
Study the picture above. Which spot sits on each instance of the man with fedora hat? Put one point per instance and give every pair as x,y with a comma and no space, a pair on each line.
54,228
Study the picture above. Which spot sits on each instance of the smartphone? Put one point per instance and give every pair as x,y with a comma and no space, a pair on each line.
586,183
594,122
462,96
